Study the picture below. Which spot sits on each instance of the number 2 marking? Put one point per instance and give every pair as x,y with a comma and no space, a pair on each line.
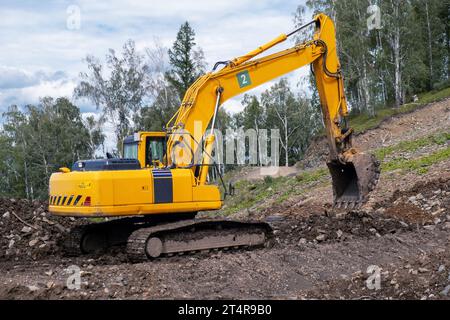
243,79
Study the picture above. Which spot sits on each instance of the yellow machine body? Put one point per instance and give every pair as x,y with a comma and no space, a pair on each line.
147,190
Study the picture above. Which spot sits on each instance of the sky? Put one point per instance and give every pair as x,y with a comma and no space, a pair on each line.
43,44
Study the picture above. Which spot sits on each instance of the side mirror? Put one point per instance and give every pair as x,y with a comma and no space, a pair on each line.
64,170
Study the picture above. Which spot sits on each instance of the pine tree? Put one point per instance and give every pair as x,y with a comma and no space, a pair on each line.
187,61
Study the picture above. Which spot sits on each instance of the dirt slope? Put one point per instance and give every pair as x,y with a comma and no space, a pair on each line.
404,231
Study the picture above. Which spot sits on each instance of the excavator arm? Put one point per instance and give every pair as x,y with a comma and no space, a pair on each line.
354,174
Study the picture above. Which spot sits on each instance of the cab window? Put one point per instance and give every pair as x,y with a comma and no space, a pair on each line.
154,150
130,151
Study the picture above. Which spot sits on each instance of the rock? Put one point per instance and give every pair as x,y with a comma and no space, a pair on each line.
26,229
344,277
423,270
446,291
419,196
437,221
429,227
6,215
49,273
435,213
50,284
321,237
404,224
441,268
447,225
11,243
48,221
339,233
33,288
33,242
412,199
302,241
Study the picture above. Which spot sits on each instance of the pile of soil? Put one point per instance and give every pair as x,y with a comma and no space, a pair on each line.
28,231
332,227
426,202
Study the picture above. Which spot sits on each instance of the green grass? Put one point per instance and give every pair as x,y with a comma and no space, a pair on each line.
434,96
252,193
363,122
413,145
311,176
97,219
420,165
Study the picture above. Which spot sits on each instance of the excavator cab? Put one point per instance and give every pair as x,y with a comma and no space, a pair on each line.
147,147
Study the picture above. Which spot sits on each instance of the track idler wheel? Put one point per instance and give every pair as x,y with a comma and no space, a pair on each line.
354,179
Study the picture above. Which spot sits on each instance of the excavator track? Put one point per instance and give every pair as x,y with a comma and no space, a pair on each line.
72,243
196,235
152,238
98,237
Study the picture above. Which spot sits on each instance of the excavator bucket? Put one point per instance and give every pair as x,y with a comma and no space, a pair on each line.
354,180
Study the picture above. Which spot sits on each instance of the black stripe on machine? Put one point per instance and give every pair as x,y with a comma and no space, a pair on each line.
162,186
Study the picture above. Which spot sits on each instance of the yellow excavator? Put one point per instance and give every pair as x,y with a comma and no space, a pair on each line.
157,188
